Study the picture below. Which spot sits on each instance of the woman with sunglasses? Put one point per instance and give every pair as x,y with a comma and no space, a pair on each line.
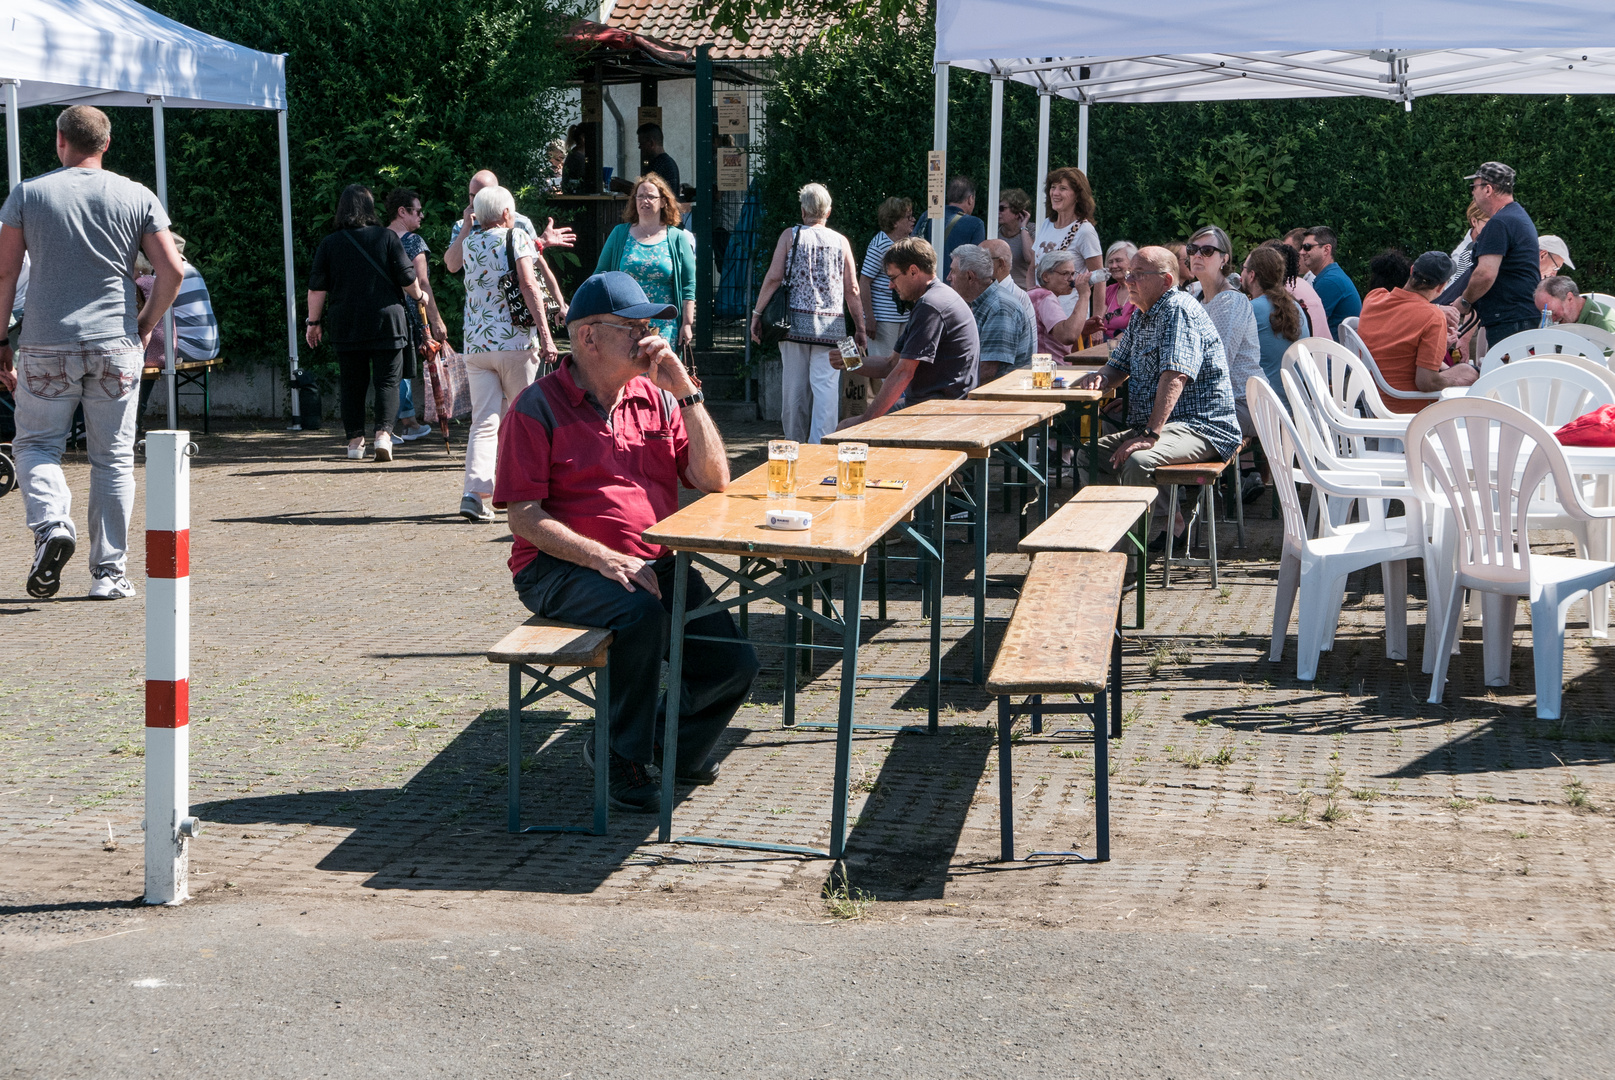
1059,278
650,248
1210,259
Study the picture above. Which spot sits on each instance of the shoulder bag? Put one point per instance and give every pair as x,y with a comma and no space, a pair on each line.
776,320
510,286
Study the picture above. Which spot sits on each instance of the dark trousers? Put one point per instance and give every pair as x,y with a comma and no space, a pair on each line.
361,369
717,675
1498,331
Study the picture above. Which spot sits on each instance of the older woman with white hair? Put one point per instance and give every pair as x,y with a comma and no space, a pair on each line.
815,263
1058,275
501,356
1118,309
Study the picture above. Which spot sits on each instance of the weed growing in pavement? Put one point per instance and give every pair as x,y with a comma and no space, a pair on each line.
1072,754
1336,777
1158,658
1522,836
1249,788
1365,794
1460,804
1194,759
1203,721
1223,756
845,902
1576,794
1181,654
1333,811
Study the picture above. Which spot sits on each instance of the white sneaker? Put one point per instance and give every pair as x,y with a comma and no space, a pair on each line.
110,585
384,446
356,451
52,549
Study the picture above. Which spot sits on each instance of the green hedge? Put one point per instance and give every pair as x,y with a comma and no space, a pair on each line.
382,93
857,116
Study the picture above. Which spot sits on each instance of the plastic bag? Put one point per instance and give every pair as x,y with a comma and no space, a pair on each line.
1596,428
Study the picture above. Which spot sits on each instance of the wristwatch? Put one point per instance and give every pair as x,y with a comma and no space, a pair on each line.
694,399
1148,434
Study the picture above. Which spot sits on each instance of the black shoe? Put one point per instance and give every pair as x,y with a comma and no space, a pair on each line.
632,787
702,776
51,552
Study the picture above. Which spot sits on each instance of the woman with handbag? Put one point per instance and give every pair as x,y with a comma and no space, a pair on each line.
813,267
650,247
506,335
354,301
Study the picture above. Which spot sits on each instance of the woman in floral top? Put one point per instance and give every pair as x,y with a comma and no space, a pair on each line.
651,248
501,358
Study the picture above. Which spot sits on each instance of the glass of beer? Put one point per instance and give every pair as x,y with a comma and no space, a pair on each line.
781,468
851,457
851,359
1042,371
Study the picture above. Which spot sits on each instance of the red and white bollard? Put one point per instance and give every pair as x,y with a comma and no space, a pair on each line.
169,826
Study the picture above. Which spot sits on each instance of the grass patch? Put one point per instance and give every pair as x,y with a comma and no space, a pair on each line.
844,901
1333,811
1577,795
1365,794
1224,755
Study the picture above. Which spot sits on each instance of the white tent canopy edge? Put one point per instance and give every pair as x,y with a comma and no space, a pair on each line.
119,53
1187,51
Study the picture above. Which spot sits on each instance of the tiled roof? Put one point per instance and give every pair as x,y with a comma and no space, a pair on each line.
676,22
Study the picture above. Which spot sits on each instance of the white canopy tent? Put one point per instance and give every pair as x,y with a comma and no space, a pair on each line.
1187,50
116,52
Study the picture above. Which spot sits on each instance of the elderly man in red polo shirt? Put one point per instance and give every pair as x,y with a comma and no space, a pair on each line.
589,457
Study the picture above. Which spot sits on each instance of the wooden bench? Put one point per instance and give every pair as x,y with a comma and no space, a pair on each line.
1099,518
188,373
548,644
1205,474
1064,638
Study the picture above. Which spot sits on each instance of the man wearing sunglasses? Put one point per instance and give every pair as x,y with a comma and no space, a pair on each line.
1340,297
590,456
1180,407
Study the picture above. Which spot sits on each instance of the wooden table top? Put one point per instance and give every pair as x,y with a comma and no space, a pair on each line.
1058,641
973,426
1008,388
731,522
1093,352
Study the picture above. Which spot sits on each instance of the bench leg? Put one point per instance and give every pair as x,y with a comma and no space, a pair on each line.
1006,783
1101,791
675,690
788,673
513,739
1037,714
1208,496
1171,520
978,656
932,594
1116,681
852,577
880,578
602,749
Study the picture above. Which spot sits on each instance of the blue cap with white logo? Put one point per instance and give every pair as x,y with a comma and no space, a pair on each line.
615,293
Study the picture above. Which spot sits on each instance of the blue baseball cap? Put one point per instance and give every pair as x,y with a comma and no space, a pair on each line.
615,293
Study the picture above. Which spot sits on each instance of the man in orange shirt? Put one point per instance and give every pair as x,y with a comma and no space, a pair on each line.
1407,335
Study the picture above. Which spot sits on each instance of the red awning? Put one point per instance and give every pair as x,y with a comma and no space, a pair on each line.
586,35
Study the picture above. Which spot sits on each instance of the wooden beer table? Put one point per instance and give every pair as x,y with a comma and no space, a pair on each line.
1079,402
731,522
980,429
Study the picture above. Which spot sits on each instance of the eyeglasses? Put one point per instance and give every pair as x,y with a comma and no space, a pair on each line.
417,211
1062,273
638,329
1309,247
1135,275
1204,249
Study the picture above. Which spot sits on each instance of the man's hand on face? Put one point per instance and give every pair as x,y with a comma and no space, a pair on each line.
629,571
666,369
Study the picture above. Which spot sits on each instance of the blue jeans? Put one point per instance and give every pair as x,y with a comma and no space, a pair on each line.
52,382
717,676
406,400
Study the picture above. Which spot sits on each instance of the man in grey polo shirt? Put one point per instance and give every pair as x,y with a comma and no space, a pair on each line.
82,343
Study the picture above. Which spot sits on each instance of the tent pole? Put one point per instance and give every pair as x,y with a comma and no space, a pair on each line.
291,272
13,136
939,143
995,158
158,136
1043,100
1082,139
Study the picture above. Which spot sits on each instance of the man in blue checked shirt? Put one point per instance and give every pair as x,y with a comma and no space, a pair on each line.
1180,407
1006,339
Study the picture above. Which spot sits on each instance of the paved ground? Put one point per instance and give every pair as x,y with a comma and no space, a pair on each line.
348,757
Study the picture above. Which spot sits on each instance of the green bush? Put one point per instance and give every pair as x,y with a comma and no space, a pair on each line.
856,115
382,93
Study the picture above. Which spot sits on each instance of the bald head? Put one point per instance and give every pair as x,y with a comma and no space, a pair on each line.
1159,258
1002,259
482,178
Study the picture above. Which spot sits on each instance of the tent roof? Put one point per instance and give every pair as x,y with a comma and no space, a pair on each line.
116,52
1187,50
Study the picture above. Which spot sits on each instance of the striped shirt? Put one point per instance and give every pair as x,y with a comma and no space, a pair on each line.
874,268
196,330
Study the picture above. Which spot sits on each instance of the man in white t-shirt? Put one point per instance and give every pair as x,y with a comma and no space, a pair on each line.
1003,263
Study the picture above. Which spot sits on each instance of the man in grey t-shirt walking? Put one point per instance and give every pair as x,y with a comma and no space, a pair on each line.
81,343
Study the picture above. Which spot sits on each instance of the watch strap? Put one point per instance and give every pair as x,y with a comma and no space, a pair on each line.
694,399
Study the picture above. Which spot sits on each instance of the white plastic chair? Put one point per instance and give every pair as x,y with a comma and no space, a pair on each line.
1542,341
1317,568
1348,431
1351,340
1487,461
1595,334
1348,378
1599,371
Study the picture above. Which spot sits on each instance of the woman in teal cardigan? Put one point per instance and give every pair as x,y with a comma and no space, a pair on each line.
650,247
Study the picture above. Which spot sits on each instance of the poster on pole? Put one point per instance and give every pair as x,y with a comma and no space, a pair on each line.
936,186
590,101
649,114
731,170
732,114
